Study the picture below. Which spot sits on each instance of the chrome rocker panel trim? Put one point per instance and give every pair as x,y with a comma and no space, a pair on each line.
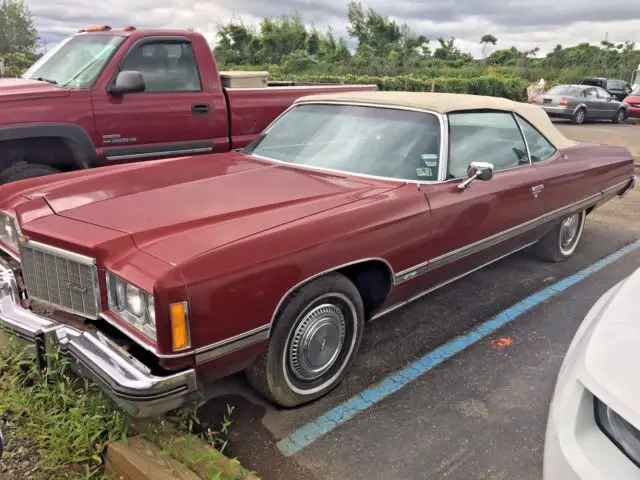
126,380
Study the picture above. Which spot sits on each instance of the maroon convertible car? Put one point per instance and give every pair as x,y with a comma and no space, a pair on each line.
163,276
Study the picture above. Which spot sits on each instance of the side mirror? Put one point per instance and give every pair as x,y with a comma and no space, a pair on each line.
128,82
477,171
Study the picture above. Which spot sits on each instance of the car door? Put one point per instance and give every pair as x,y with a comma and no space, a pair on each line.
609,104
562,182
593,103
489,219
172,116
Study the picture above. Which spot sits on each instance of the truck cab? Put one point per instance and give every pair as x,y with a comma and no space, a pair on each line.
105,96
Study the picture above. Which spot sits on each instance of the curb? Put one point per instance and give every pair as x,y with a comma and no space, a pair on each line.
184,457
140,459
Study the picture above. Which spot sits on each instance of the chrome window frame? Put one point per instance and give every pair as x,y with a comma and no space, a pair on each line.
443,150
526,142
524,139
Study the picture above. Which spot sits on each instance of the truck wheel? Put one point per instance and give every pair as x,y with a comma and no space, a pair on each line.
314,340
579,116
561,242
620,116
21,171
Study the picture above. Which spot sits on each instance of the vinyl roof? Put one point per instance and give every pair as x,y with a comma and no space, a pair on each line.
445,103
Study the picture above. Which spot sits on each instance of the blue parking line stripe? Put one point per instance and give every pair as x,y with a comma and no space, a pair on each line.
307,434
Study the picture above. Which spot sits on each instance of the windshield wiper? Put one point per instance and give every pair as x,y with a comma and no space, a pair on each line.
42,79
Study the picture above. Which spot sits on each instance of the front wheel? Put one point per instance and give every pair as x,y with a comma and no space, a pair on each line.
620,116
561,242
313,342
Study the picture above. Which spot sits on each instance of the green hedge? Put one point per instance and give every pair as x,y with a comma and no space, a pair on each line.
492,85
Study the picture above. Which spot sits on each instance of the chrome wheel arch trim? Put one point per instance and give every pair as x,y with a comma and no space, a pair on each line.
325,272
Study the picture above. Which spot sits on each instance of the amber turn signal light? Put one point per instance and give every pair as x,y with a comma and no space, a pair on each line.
180,337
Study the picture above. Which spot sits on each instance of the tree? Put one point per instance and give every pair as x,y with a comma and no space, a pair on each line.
448,50
237,44
485,41
17,31
280,37
382,39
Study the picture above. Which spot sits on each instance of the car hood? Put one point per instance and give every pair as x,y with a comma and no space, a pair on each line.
633,99
612,351
18,88
176,209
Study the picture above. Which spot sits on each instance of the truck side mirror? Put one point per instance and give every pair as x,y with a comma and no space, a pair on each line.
128,82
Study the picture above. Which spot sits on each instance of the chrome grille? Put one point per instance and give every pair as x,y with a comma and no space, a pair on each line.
62,279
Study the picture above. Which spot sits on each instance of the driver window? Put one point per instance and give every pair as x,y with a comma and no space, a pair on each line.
165,66
492,137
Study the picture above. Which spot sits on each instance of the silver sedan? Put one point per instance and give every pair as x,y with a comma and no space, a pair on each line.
581,102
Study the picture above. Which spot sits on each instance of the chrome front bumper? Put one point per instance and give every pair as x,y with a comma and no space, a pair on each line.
126,380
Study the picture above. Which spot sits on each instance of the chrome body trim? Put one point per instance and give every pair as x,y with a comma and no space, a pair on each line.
150,348
159,153
230,345
74,257
121,376
462,252
631,186
446,282
332,269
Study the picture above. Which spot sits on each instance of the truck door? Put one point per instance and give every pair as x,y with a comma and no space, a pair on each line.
173,116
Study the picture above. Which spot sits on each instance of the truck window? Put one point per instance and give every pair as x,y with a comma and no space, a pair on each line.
167,66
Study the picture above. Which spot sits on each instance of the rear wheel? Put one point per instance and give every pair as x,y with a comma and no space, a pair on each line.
313,342
579,116
620,116
23,170
561,242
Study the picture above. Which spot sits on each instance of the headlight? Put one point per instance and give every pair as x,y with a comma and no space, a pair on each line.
622,433
8,231
132,305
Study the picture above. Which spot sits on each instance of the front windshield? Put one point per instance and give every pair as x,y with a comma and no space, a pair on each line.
383,142
76,62
635,92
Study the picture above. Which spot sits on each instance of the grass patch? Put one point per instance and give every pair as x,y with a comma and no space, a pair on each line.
58,426
68,419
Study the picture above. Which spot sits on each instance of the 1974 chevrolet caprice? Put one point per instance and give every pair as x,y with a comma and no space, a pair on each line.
170,274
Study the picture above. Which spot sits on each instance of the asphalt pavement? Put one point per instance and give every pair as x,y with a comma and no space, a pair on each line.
475,413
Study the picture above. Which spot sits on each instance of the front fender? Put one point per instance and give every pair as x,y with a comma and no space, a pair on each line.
82,146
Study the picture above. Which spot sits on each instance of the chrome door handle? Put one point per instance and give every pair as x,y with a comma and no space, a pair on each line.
537,190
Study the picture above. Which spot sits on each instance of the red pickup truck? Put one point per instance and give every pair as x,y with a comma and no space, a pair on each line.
107,96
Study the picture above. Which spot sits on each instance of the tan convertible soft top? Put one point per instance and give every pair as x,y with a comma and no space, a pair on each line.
451,102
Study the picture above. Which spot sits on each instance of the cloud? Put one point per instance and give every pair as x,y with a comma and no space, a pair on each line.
524,24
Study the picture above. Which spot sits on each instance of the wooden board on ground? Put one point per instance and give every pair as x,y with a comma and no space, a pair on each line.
140,459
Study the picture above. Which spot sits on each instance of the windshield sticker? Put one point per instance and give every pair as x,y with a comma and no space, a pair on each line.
429,156
424,172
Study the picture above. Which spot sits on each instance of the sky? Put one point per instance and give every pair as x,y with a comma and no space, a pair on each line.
523,24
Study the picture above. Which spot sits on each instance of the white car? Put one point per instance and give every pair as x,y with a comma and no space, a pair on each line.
593,431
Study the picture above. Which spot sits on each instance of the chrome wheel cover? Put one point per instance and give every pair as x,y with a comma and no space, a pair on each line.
317,342
580,116
569,230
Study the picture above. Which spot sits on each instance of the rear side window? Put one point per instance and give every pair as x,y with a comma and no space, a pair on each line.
540,148
492,137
